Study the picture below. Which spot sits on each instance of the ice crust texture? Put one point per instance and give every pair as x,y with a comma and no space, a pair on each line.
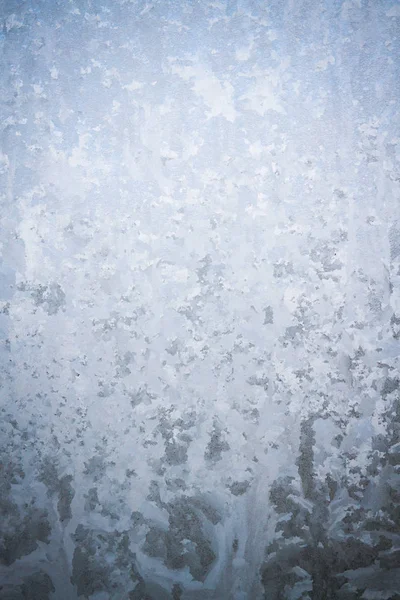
200,300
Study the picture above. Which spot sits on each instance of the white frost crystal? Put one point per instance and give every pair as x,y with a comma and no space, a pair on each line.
200,300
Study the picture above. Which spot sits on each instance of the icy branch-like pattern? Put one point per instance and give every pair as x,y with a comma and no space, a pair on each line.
200,300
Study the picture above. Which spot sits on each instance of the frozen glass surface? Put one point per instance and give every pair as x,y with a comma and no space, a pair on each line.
200,300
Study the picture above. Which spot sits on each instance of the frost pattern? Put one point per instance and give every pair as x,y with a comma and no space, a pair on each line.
200,300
